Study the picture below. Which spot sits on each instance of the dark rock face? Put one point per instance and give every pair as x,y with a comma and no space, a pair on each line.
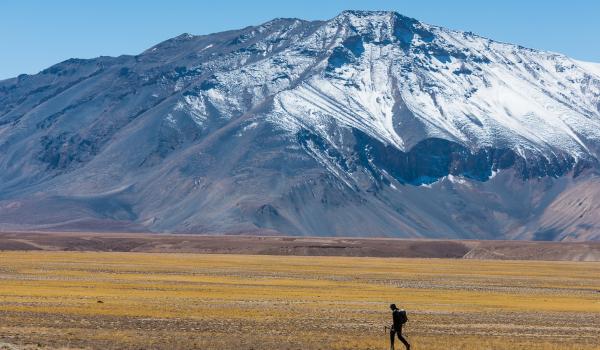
432,159
350,51
295,127
61,151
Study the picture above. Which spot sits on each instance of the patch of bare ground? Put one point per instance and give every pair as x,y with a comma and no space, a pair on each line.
300,246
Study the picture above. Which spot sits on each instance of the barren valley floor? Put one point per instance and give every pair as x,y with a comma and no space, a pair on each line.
104,300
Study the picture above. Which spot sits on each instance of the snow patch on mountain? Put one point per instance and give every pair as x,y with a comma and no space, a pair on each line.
591,67
456,85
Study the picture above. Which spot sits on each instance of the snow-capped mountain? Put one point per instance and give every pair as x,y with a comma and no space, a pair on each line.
370,123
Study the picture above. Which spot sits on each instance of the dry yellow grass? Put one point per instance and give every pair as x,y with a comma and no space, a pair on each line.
186,301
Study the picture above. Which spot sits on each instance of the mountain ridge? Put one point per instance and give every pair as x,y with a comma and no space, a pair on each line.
350,126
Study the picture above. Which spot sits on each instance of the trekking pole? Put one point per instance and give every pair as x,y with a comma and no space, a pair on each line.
385,331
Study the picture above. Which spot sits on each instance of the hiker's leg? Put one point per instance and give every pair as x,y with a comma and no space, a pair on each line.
406,344
392,335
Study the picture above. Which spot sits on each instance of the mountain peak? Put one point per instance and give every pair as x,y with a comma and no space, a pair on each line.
382,27
374,15
365,13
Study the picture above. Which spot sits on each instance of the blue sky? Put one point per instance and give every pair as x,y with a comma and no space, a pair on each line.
36,34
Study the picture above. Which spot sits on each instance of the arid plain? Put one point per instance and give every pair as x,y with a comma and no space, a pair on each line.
125,300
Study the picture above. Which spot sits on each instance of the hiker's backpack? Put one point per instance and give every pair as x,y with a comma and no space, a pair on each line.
402,318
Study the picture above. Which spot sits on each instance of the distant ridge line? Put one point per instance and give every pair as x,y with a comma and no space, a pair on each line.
299,246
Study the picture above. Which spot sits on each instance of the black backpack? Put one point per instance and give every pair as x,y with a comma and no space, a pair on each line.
400,316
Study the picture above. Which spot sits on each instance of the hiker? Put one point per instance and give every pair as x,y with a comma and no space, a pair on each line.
400,318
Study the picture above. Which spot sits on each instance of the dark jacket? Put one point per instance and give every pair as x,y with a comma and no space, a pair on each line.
399,318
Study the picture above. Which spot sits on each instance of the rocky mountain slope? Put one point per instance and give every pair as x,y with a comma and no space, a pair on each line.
369,124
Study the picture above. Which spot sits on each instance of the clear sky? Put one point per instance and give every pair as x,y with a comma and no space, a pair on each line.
36,34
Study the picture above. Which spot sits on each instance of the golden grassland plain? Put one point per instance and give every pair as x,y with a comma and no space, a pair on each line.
73,300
